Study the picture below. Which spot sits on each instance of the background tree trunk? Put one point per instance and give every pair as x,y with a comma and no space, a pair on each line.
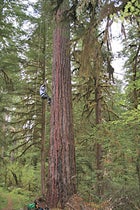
99,155
43,122
43,148
62,169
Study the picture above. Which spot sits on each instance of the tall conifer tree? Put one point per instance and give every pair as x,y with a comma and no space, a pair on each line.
62,169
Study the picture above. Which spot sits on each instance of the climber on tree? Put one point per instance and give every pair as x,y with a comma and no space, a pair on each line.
43,93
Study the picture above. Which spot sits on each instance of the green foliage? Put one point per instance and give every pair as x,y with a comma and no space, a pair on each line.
3,201
120,141
18,198
132,8
20,109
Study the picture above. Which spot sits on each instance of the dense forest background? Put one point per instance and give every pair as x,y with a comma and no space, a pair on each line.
106,107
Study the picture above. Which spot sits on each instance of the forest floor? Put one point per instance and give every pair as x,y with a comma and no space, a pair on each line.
75,203
12,200
19,199
9,204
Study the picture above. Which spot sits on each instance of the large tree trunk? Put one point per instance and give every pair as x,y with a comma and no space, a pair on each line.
62,169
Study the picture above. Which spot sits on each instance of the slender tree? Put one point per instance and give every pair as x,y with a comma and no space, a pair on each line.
62,169
43,121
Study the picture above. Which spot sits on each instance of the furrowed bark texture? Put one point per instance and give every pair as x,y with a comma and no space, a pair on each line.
62,170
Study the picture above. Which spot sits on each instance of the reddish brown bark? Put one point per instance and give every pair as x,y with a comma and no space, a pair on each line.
62,170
